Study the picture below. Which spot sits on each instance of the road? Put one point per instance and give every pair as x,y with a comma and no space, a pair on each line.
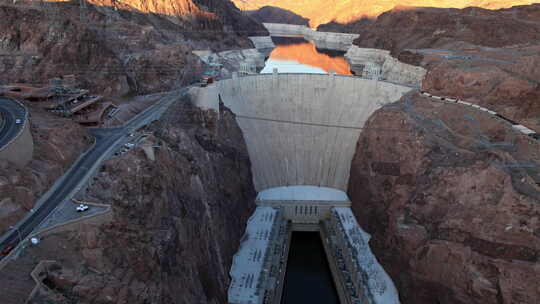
106,142
10,111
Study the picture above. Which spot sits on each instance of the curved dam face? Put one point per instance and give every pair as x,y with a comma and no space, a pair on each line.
301,129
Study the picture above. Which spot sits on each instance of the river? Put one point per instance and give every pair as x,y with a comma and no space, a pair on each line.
308,278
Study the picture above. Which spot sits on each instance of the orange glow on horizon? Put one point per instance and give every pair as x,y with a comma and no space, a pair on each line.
306,53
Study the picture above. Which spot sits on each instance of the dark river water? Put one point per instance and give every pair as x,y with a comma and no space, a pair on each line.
308,278
297,55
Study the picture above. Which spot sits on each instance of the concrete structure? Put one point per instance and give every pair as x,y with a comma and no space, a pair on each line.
371,71
304,206
16,143
300,129
323,40
257,271
247,68
364,278
257,267
391,69
262,42
232,60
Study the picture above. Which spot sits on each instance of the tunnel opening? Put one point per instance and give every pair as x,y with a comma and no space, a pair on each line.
308,278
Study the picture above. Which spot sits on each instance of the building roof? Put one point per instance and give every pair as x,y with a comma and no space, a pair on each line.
248,263
302,193
380,285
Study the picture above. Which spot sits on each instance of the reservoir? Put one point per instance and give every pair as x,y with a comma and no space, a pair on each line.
308,278
297,55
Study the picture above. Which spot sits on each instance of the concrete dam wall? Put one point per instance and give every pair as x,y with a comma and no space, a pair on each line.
300,129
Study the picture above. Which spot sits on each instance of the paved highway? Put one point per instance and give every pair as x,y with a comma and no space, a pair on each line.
106,142
10,111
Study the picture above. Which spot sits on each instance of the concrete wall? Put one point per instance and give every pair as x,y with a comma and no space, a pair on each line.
21,148
323,40
262,42
318,152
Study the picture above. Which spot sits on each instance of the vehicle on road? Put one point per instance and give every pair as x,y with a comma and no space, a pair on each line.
82,208
206,80
18,121
7,250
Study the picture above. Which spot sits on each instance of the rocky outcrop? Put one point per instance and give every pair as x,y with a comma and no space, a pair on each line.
346,11
415,28
133,47
270,14
453,215
496,70
177,221
349,27
505,80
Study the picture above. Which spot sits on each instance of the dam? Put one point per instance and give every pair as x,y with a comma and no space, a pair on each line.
301,132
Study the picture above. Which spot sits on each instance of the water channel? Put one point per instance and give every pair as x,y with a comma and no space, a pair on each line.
308,278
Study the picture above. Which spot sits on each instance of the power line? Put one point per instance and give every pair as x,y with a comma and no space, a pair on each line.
317,124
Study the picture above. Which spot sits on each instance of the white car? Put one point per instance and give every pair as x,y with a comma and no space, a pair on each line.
82,208
18,121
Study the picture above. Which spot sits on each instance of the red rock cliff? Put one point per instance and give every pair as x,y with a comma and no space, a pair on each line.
454,218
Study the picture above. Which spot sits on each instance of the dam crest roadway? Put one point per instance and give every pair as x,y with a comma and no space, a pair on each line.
301,132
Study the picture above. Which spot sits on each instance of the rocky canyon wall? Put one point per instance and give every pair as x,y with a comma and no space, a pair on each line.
133,47
344,11
177,221
453,218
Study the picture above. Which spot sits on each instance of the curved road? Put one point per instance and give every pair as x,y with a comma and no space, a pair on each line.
10,111
107,141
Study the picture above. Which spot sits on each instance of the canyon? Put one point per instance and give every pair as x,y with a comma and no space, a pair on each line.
444,197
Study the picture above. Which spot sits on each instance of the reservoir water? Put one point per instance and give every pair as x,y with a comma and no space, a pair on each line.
308,278
297,55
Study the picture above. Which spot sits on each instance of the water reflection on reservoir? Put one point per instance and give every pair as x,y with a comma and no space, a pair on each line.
297,55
